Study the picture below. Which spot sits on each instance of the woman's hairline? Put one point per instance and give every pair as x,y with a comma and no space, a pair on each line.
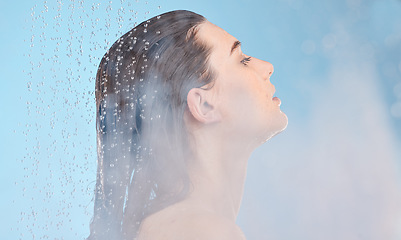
194,31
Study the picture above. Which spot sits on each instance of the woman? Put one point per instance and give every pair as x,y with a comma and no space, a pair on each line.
180,110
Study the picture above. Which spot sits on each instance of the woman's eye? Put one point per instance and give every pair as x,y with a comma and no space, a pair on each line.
246,60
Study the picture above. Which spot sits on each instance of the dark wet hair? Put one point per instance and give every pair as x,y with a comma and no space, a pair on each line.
141,89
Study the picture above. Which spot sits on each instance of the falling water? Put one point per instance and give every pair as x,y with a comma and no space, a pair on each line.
68,39
293,185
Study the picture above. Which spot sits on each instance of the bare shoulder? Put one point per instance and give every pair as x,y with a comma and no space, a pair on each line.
196,225
205,226
214,227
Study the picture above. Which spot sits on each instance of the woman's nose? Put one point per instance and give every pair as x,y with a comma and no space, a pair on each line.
270,69
266,69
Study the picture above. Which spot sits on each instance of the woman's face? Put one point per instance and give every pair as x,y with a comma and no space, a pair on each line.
243,92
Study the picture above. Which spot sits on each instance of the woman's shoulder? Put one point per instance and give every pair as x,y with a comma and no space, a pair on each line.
191,224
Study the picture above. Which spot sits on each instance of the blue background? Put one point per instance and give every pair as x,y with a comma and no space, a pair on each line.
333,174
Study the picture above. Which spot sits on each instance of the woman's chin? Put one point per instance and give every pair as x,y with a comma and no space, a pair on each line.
279,125
283,122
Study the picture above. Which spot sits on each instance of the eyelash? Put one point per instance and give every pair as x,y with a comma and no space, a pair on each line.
246,60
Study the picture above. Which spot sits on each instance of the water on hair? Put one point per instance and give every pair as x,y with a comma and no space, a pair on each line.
68,39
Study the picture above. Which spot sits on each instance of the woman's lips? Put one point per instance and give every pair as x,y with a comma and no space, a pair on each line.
276,99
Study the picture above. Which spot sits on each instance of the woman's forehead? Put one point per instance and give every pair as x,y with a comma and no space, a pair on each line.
216,37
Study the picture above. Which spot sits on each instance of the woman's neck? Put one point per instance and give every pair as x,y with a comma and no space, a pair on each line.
217,175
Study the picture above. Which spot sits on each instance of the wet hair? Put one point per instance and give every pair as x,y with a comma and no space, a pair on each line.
141,88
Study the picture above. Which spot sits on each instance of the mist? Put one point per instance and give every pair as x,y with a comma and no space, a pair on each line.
334,173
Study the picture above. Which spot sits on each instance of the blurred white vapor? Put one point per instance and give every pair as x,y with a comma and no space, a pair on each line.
337,176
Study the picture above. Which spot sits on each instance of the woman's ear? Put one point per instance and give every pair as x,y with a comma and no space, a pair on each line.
200,108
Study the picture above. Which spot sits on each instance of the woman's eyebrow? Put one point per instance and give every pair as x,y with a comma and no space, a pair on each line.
235,46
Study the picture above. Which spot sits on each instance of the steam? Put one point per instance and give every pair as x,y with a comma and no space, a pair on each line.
333,176
337,177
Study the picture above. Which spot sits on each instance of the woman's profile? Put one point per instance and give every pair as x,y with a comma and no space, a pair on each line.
180,109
